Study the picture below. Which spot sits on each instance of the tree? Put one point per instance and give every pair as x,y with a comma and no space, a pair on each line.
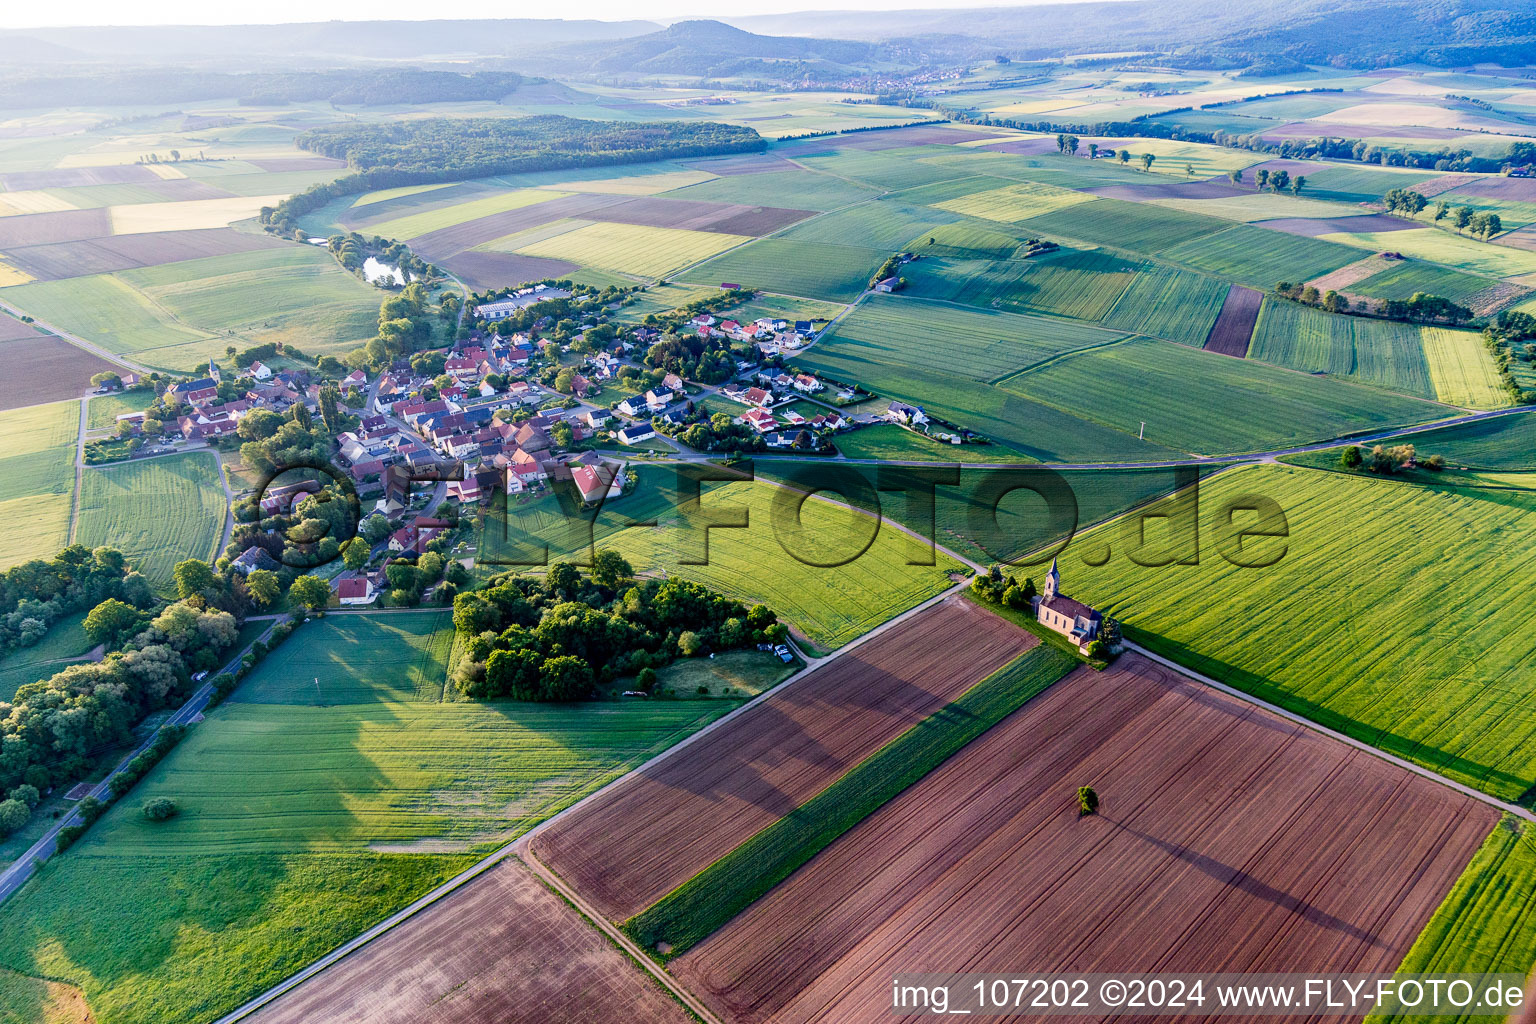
610,568
1462,217
110,621
1235,176
1146,161
1093,151
645,679
300,415
1261,178
193,577
563,579
1061,143
1124,156
329,414
1189,170
402,576
1442,208
355,554
565,678
1071,145
106,379
310,592
264,586
258,425
1087,801
1279,181
13,815
161,808
1297,184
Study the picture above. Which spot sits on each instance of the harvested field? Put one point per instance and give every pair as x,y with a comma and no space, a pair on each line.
1234,327
37,367
85,257
1435,186
1315,227
444,242
191,215
59,226
759,220
1353,273
68,177
1521,189
482,270
685,813
1227,839
501,948
1025,147
1170,190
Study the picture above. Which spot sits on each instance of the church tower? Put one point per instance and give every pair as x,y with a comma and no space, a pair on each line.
1052,583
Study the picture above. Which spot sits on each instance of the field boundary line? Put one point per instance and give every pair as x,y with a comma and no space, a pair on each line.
520,844
75,340
74,507
1361,745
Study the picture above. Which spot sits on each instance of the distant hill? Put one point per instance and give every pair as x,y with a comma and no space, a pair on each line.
714,49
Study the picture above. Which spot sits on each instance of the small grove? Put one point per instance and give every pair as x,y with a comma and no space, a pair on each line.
556,637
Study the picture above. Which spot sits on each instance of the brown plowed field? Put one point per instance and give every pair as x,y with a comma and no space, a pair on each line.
60,226
444,242
37,367
503,948
125,252
642,838
1311,227
1227,839
482,270
722,218
1234,327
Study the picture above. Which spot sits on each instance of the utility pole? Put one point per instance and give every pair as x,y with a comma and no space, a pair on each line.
1142,436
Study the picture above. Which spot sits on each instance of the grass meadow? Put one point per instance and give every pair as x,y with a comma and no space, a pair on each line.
37,479
157,512
1355,626
64,642
631,248
1259,257
767,558
305,818
832,273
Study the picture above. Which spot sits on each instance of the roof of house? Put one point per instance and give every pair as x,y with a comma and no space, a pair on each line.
357,586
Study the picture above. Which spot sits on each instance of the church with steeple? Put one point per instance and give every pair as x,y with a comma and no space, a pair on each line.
1072,619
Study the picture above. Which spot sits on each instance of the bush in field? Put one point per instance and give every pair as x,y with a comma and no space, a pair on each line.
13,815
161,808
1087,801
1351,458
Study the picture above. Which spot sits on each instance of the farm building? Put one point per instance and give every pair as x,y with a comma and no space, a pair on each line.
1072,619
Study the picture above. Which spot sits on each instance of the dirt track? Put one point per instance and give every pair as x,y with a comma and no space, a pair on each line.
501,950
1227,839
650,833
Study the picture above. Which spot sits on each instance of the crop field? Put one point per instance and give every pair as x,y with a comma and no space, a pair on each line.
1204,403
1481,926
691,809
766,560
1335,629
983,345
968,239
889,441
413,225
157,512
39,367
1138,227
1081,284
36,467
1016,202
1200,874
887,169
1259,257
630,248
126,252
1462,369
499,945
64,642
303,823
1438,246
1402,280
191,215
1356,184
1234,328
832,273
886,224
1261,206
804,190
1381,352
1498,444
1177,158
1166,302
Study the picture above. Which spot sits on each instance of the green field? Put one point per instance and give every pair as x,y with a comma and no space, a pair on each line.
891,442
413,225
1484,923
1261,206
1138,227
1019,201
886,224
1209,404
1352,628
37,479
967,239
1081,284
695,909
1381,352
1352,183
1500,444
65,641
661,299
792,189
1458,251
179,314
1406,278
1166,302
303,823
1260,257
157,511
103,410
892,169
833,273
1462,369
630,248
983,345
763,561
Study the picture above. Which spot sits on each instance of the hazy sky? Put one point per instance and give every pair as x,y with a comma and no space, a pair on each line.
15,14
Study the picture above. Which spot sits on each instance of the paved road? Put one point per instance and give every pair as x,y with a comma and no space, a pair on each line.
25,866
